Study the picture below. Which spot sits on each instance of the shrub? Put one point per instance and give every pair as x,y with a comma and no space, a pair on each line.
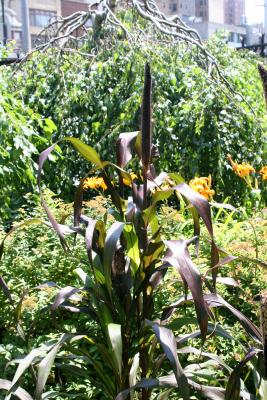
127,259
96,99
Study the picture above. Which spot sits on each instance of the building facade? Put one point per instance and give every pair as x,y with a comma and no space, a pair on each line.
234,12
26,18
177,7
209,16
69,7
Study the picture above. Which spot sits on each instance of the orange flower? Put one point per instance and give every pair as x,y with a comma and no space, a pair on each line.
128,182
94,183
241,170
263,172
202,185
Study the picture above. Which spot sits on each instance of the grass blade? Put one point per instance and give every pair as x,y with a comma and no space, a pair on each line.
44,370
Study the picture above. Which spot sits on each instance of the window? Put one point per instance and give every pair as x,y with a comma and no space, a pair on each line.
40,17
173,7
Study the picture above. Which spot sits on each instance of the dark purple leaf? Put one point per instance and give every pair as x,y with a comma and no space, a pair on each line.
199,202
234,384
225,206
64,294
77,206
125,147
227,281
44,370
263,75
210,393
146,120
203,208
6,289
168,311
111,242
178,256
115,197
216,301
255,261
157,182
214,262
226,260
42,158
215,330
138,191
168,342
54,224
89,234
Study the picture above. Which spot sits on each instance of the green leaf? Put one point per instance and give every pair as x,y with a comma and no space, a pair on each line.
234,384
132,247
114,332
86,151
23,224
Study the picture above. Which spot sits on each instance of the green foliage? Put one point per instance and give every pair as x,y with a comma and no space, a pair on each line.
23,134
201,121
123,337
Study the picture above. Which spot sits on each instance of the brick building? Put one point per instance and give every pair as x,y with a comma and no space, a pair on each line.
234,10
69,7
26,18
181,7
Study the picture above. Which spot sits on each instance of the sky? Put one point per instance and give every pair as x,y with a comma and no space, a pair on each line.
254,13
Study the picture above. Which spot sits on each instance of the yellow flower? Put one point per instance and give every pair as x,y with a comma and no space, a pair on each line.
202,185
128,182
30,302
94,183
263,172
241,170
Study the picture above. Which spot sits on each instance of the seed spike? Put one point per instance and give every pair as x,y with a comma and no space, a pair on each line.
146,126
263,75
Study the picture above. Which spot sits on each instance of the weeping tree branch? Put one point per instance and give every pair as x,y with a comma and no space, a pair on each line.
101,18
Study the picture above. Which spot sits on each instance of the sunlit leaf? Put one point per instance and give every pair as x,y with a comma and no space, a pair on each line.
44,370
167,340
179,257
86,151
216,301
114,331
125,147
18,392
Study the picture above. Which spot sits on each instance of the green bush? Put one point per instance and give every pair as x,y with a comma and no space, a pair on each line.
124,336
197,121
23,134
